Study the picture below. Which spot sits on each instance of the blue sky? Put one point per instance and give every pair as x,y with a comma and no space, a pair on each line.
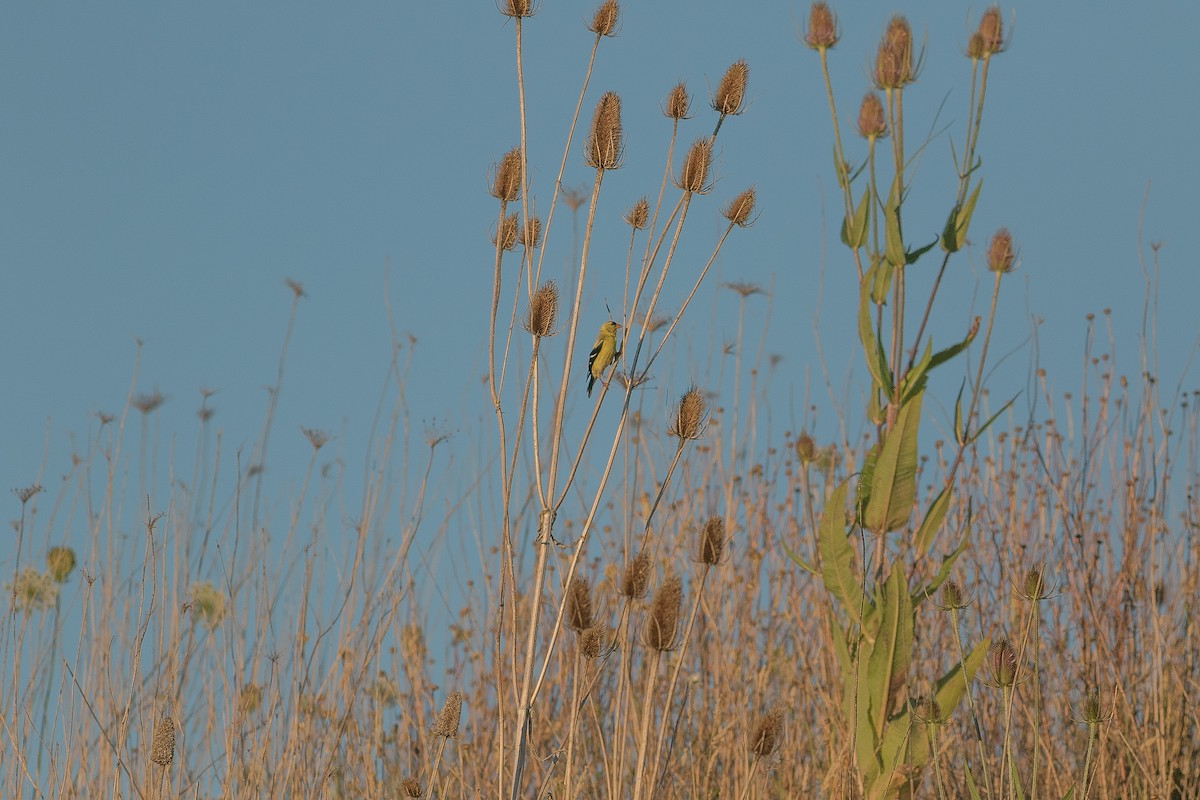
164,167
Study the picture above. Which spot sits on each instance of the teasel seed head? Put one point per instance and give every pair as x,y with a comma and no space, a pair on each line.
991,32
543,310
894,59
662,627
712,541
446,725
730,97
517,8
531,233
506,177
1034,587
604,21
872,122
678,102
1092,713
1000,254
693,173
411,787
927,709
741,208
767,733
506,234
60,561
1002,659
953,596
638,215
822,27
688,422
806,448
162,747
604,143
595,641
635,580
975,49
579,604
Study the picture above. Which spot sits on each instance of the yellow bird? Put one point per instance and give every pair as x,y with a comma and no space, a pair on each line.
604,353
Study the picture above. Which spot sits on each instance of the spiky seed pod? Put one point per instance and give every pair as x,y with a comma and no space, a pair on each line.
927,709
888,73
638,215
531,233
975,49
663,624
506,233
991,32
893,61
446,725
767,733
543,310
678,102
730,96
872,122
411,787
822,27
1002,658
688,421
162,747
506,177
636,578
712,541
952,596
1034,587
59,563
741,208
693,174
604,21
1092,713
806,448
579,604
595,641
604,143
517,8
1000,255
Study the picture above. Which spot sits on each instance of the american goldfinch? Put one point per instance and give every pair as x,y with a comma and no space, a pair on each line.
604,353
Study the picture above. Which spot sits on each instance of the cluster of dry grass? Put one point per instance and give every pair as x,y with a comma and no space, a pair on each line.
658,612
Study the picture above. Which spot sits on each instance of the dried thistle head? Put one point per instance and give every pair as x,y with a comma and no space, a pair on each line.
635,580
543,310
316,438
688,422
162,747
446,725
730,97
894,66
953,597
604,21
991,32
822,27
1002,658
604,143
662,626
1034,586
712,541
638,215
1092,713
678,102
505,236
411,787
693,173
872,122
595,641
517,8
506,177
578,610
60,561
975,49
927,709
767,733
741,208
1000,254
531,233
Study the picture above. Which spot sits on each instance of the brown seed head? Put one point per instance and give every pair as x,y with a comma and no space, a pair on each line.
595,641
893,60
446,725
712,541
636,578
506,177
1092,713
822,27
1035,584
162,747
1003,660
1000,255
506,233
579,604
543,310
604,21
693,174
59,563
689,416
927,709
767,734
975,46
952,596
731,91
638,215
517,8
678,102
411,787
604,143
531,233
741,208
806,448
872,122
991,32
663,625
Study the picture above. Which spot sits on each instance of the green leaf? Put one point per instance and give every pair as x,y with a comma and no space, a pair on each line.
881,281
862,490
993,417
933,520
914,379
963,219
1070,795
971,787
854,229
892,649
877,365
837,556
912,256
960,436
942,356
804,565
894,483
892,237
